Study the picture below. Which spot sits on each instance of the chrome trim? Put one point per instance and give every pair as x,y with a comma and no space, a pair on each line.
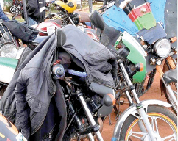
90,117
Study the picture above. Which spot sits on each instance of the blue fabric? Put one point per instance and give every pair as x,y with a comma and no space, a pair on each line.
31,21
158,10
3,16
153,34
116,17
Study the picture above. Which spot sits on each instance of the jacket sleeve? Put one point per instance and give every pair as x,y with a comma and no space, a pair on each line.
3,16
23,110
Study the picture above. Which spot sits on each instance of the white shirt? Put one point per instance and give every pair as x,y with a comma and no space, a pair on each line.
2,4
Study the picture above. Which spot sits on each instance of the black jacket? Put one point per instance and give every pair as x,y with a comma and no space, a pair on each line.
36,10
27,97
21,31
97,59
29,94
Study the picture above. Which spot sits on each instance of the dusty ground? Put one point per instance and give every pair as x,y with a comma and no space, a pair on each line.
153,93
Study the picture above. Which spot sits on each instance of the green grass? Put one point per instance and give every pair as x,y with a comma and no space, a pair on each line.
18,18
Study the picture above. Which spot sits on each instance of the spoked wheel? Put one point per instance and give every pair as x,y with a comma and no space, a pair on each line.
163,122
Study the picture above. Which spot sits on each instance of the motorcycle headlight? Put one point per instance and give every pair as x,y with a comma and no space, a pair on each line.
162,48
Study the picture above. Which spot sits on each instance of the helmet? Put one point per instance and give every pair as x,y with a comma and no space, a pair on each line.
69,6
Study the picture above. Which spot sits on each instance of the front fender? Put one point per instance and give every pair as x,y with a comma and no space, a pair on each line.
131,110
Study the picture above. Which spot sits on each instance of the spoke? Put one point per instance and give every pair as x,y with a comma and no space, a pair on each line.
154,124
170,137
136,134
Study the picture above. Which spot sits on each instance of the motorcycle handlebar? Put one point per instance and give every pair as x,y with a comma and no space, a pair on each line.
77,73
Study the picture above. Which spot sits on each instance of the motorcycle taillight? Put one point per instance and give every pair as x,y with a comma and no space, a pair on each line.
44,27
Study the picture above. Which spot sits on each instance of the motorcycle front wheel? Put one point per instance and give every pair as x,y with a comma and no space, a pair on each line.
163,122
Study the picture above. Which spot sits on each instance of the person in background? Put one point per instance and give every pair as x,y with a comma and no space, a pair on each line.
35,10
2,15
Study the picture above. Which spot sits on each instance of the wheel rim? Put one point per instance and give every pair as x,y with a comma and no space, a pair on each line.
166,131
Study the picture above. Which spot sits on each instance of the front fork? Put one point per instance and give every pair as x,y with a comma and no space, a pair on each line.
140,108
90,119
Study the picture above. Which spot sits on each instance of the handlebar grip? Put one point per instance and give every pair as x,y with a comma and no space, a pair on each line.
77,73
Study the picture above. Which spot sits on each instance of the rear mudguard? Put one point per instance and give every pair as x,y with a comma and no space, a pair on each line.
131,111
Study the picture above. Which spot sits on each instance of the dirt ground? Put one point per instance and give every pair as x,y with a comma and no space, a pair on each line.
153,93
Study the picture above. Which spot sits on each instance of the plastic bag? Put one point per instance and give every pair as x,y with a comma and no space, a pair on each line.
8,50
7,45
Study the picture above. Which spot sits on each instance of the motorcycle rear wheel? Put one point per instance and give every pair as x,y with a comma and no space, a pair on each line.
162,120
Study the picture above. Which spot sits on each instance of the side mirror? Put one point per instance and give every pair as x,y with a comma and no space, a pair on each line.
97,20
61,38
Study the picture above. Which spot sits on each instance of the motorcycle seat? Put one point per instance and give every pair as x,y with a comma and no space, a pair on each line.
170,76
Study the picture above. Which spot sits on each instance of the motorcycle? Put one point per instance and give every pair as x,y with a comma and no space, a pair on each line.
9,63
144,23
66,14
128,121
82,121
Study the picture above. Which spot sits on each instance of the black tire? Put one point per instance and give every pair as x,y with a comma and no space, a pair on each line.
157,111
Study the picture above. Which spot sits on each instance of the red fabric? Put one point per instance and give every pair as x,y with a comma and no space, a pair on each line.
137,12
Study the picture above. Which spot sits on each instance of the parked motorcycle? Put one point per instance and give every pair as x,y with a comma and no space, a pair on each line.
67,15
144,22
125,128
82,122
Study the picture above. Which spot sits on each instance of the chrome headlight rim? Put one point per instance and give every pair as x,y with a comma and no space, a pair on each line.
162,47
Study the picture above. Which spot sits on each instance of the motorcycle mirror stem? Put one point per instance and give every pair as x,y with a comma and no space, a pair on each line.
97,20
61,37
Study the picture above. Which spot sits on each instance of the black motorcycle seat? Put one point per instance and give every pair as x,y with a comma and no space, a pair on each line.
170,76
